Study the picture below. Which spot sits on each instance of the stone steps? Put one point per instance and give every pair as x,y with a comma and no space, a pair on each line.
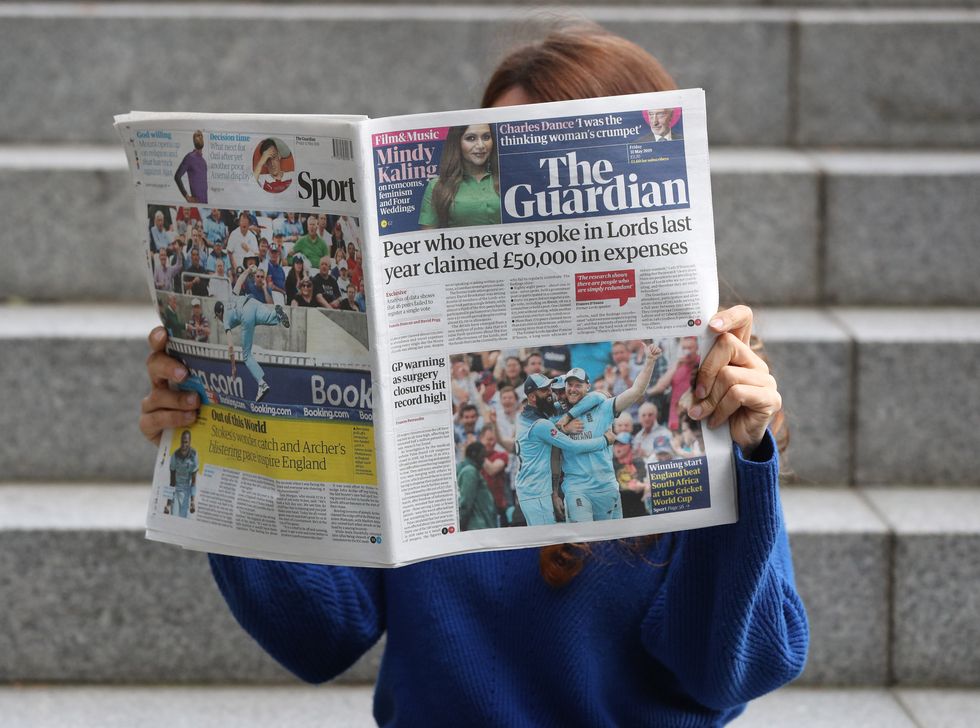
792,227
562,4
774,76
167,706
89,599
846,169
886,575
350,707
935,583
862,708
883,392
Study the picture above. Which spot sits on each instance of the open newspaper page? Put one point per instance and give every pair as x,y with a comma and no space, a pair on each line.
252,231
547,274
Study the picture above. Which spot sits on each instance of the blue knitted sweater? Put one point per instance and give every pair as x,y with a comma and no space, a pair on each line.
683,634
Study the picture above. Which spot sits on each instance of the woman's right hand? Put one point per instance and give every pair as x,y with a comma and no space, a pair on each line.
164,408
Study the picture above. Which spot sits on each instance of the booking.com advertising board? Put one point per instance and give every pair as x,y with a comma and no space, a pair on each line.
327,394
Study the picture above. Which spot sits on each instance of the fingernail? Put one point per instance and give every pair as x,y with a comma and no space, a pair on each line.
716,323
180,373
695,411
700,392
190,416
190,399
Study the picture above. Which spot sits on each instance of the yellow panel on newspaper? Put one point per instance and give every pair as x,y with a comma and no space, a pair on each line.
285,449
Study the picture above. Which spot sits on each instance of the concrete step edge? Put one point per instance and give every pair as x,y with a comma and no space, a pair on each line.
220,706
466,13
117,321
163,706
808,509
910,511
724,159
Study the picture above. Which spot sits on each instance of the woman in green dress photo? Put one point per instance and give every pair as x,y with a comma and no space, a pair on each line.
467,189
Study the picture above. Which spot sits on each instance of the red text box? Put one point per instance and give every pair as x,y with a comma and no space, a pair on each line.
619,285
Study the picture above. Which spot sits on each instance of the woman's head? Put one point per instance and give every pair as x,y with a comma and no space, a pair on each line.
467,151
578,62
475,147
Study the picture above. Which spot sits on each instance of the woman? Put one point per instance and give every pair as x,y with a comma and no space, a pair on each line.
297,272
337,241
467,190
352,300
678,630
335,267
304,299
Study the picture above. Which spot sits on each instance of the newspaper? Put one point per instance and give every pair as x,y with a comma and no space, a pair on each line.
433,334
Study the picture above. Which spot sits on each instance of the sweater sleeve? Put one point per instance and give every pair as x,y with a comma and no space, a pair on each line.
727,621
314,620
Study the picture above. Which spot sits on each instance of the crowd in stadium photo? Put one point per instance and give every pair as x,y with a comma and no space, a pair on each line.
289,259
565,433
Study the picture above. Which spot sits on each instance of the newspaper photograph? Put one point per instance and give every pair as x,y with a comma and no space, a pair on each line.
529,442
547,274
257,273
426,335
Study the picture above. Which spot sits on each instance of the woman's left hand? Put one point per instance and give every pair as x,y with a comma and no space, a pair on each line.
734,383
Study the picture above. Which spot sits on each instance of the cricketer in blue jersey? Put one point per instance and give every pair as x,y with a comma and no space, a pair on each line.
561,407
561,399
247,312
183,478
536,484
589,478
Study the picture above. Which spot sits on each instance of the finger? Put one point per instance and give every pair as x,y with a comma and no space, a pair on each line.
163,369
152,424
737,320
759,403
729,377
165,398
158,339
727,350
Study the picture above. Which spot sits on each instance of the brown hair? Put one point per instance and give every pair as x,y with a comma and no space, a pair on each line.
583,61
579,61
778,425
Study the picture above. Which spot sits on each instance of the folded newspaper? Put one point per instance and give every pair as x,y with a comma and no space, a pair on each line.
433,334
